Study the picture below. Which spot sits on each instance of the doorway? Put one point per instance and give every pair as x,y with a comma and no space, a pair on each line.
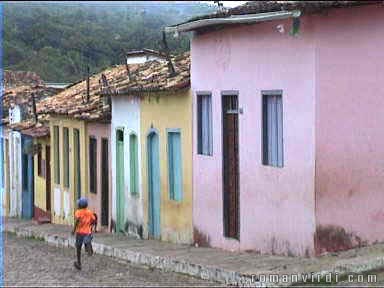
48,178
76,155
153,185
104,182
27,178
120,180
230,165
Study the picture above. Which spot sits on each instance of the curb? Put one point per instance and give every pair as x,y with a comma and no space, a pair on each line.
204,272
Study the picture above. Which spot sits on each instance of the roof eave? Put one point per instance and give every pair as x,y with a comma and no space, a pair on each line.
234,19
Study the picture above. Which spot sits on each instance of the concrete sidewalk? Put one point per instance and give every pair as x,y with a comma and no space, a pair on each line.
209,263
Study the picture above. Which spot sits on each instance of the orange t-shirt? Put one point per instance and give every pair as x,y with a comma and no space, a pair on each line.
86,219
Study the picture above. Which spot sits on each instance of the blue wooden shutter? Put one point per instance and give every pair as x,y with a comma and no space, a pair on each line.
175,166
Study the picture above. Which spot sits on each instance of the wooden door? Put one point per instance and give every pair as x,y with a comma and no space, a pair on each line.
104,182
120,181
153,186
230,166
48,177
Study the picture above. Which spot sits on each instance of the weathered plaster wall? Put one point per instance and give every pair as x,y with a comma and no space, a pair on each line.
161,112
99,131
349,122
276,204
126,115
40,184
63,199
15,173
6,167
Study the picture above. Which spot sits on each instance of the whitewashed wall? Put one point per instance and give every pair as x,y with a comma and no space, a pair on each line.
15,173
142,59
126,114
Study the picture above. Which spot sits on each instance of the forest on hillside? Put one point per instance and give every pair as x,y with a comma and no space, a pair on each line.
57,40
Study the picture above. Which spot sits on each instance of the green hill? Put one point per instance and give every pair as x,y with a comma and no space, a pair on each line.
57,39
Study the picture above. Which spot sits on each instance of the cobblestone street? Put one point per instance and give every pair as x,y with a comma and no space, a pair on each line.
33,262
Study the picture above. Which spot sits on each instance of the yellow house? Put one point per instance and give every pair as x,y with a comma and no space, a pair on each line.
165,124
160,102
79,121
39,132
68,169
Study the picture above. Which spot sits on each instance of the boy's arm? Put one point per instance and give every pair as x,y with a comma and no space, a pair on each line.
75,226
94,222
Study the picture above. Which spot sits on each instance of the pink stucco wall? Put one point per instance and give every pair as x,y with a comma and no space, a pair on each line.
99,130
276,204
329,194
349,127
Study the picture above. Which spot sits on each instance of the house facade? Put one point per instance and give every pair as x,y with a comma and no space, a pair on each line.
42,174
167,154
79,120
151,142
283,138
127,200
144,55
99,172
68,169
22,91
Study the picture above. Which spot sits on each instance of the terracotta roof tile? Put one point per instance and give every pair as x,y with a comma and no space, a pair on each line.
149,76
73,100
23,97
31,128
154,76
255,7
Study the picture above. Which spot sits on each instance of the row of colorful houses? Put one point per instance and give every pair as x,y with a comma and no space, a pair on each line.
266,137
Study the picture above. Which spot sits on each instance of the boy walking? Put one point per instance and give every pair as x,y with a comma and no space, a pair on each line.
85,222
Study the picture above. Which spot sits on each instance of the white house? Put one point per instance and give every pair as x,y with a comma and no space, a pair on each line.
144,55
15,171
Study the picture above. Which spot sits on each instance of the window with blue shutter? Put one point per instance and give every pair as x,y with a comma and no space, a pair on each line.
273,128
175,166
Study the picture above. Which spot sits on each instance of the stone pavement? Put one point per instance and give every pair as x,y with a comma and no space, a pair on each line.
34,263
234,268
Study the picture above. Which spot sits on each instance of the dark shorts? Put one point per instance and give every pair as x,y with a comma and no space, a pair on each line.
83,238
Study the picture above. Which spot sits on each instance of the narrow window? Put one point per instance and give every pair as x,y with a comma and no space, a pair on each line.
204,124
66,156
92,164
134,165
56,156
174,166
273,129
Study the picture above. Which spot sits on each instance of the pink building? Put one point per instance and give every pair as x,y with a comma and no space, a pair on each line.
288,135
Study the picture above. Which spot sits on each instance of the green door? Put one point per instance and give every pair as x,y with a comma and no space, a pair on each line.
120,180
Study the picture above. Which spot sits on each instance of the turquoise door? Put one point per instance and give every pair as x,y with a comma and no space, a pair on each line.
153,186
27,178
120,181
